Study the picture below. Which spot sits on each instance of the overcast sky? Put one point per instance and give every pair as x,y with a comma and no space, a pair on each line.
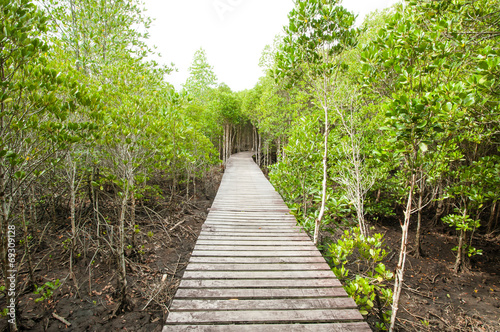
232,32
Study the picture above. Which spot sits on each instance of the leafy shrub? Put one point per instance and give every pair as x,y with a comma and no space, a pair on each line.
368,286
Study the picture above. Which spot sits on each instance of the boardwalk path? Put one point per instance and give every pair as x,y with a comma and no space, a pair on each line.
253,269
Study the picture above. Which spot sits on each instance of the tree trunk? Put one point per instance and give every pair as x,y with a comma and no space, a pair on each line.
239,139
132,217
318,221
122,270
253,139
27,251
491,222
458,262
278,150
75,34
95,207
73,187
105,32
400,269
459,259
73,224
440,206
418,245
259,150
8,244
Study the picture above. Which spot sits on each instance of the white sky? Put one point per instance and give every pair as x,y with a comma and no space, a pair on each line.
232,32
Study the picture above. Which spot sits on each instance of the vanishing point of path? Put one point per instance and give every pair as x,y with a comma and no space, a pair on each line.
253,269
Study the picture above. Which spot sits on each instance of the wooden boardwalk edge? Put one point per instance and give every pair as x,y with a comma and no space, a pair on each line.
253,269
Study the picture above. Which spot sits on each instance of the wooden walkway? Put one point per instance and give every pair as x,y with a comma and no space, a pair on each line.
253,269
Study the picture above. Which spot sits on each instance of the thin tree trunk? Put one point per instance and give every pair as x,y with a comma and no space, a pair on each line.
9,270
239,139
122,271
95,200
132,217
400,269
75,34
418,245
27,251
73,188
323,184
259,149
459,260
73,223
278,150
440,206
491,221
105,36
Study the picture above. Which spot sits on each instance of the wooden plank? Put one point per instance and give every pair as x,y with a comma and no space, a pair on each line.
256,267
241,231
297,237
269,253
275,316
260,283
269,242
251,232
257,260
256,274
280,304
243,215
239,226
256,248
325,327
258,293
255,224
252,222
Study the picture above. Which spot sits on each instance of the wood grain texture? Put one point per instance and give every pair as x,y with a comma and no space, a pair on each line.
257,267
326,327
254,269
259,283
271,316
282,304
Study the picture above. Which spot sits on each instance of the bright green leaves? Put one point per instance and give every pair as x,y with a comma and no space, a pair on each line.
317,31
227,105
371,289
202,79
463,224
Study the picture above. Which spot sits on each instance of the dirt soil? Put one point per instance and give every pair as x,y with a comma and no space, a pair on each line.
435,295
153,275
434,298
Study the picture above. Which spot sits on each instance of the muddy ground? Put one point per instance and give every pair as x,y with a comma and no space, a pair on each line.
168,230
434,297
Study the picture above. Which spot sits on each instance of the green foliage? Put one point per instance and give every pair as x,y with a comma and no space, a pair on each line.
46,290
463,224
317,31
369,286
202,79
296,177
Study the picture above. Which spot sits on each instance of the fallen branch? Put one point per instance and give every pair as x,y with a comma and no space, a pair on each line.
158,292
437,316
178,224
61,319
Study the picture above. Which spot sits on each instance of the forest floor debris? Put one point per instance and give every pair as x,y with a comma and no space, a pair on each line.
434,298
154,271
